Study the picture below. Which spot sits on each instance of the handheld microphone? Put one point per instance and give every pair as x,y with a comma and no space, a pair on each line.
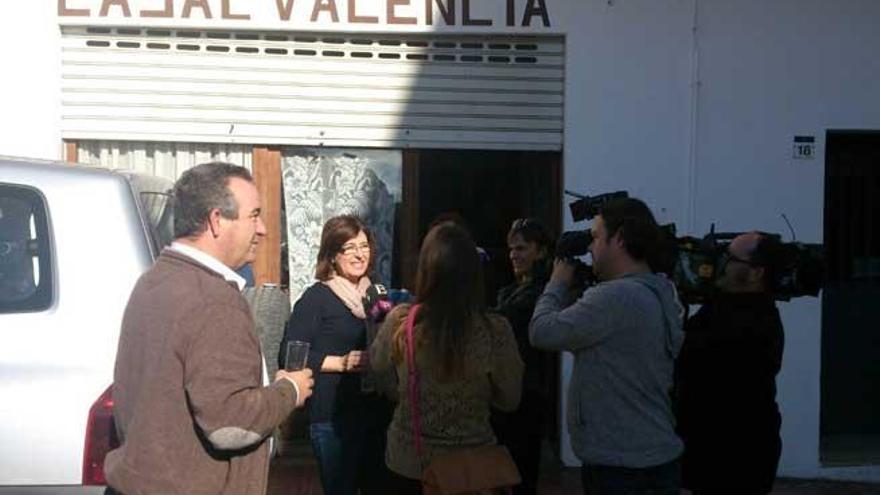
376,302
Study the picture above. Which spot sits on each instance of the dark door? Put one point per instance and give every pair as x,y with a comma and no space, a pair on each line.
850,401
487,190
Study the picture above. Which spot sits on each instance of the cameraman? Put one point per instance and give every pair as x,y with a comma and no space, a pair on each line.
726,377
625,333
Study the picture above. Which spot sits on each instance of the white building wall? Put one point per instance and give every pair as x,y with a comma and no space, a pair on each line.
627,107
627,100
766,71
30,94
769,71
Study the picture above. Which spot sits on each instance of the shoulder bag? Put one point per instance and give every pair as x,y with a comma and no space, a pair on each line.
480,470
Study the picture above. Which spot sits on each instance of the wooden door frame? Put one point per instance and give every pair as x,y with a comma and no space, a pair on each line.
267,177
70,152
409,219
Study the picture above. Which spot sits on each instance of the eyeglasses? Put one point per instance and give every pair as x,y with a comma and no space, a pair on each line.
727,258
352,249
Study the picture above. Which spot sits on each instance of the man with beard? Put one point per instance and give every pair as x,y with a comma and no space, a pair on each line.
624,332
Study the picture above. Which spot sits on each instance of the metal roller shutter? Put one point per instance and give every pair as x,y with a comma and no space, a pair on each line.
428,91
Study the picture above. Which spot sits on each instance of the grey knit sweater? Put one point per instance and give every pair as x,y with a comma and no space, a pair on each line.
619,404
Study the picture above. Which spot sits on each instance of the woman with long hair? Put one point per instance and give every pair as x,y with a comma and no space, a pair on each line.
347,425
466,359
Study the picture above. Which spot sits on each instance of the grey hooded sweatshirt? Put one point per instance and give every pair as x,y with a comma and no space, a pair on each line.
625,335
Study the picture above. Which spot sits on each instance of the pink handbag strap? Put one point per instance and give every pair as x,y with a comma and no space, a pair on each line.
413,382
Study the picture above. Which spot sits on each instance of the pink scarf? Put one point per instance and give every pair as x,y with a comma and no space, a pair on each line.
350,295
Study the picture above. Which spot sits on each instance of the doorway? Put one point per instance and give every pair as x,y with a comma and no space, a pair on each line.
850,405
487,190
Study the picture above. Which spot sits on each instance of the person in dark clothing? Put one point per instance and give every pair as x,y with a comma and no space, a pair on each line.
726,378
521,431
347,425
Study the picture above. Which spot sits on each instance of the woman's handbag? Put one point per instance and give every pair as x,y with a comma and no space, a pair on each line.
485,469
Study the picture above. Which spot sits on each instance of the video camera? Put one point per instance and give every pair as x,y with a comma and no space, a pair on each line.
796,269
587,207
575,243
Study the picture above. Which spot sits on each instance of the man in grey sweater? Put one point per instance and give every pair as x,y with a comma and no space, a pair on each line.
625,333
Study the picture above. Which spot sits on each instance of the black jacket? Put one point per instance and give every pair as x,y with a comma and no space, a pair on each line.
726,394
517,304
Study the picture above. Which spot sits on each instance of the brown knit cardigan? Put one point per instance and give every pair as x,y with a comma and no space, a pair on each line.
191,410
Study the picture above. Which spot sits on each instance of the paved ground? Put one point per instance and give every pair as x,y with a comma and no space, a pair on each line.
297,475
819,487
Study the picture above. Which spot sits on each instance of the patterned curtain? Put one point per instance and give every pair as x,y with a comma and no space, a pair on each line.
320,183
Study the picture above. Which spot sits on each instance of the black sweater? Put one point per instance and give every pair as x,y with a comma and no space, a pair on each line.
322,320
517,304
726,379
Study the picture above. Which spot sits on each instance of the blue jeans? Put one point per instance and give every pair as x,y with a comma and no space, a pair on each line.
351,456
664,479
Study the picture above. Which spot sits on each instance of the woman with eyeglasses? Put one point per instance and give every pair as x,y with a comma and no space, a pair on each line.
347,426
521,431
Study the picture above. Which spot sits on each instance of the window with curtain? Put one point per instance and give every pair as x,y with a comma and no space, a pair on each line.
320,183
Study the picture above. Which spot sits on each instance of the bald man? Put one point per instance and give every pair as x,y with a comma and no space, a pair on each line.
726,377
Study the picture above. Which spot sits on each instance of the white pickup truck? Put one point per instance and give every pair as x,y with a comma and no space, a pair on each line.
73,241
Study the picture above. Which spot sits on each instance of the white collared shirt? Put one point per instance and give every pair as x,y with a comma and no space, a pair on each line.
211,262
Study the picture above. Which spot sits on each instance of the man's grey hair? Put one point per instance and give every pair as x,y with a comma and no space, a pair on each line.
201,189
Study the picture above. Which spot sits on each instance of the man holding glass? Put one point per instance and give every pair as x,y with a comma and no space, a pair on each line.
192,408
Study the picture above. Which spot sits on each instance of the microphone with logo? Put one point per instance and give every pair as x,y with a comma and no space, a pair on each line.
378,302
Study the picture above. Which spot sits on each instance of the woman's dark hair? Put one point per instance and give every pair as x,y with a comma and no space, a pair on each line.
336,232
449,288
643,238
532,230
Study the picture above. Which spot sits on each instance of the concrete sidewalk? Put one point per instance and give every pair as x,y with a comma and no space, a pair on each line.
822,487
298,475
